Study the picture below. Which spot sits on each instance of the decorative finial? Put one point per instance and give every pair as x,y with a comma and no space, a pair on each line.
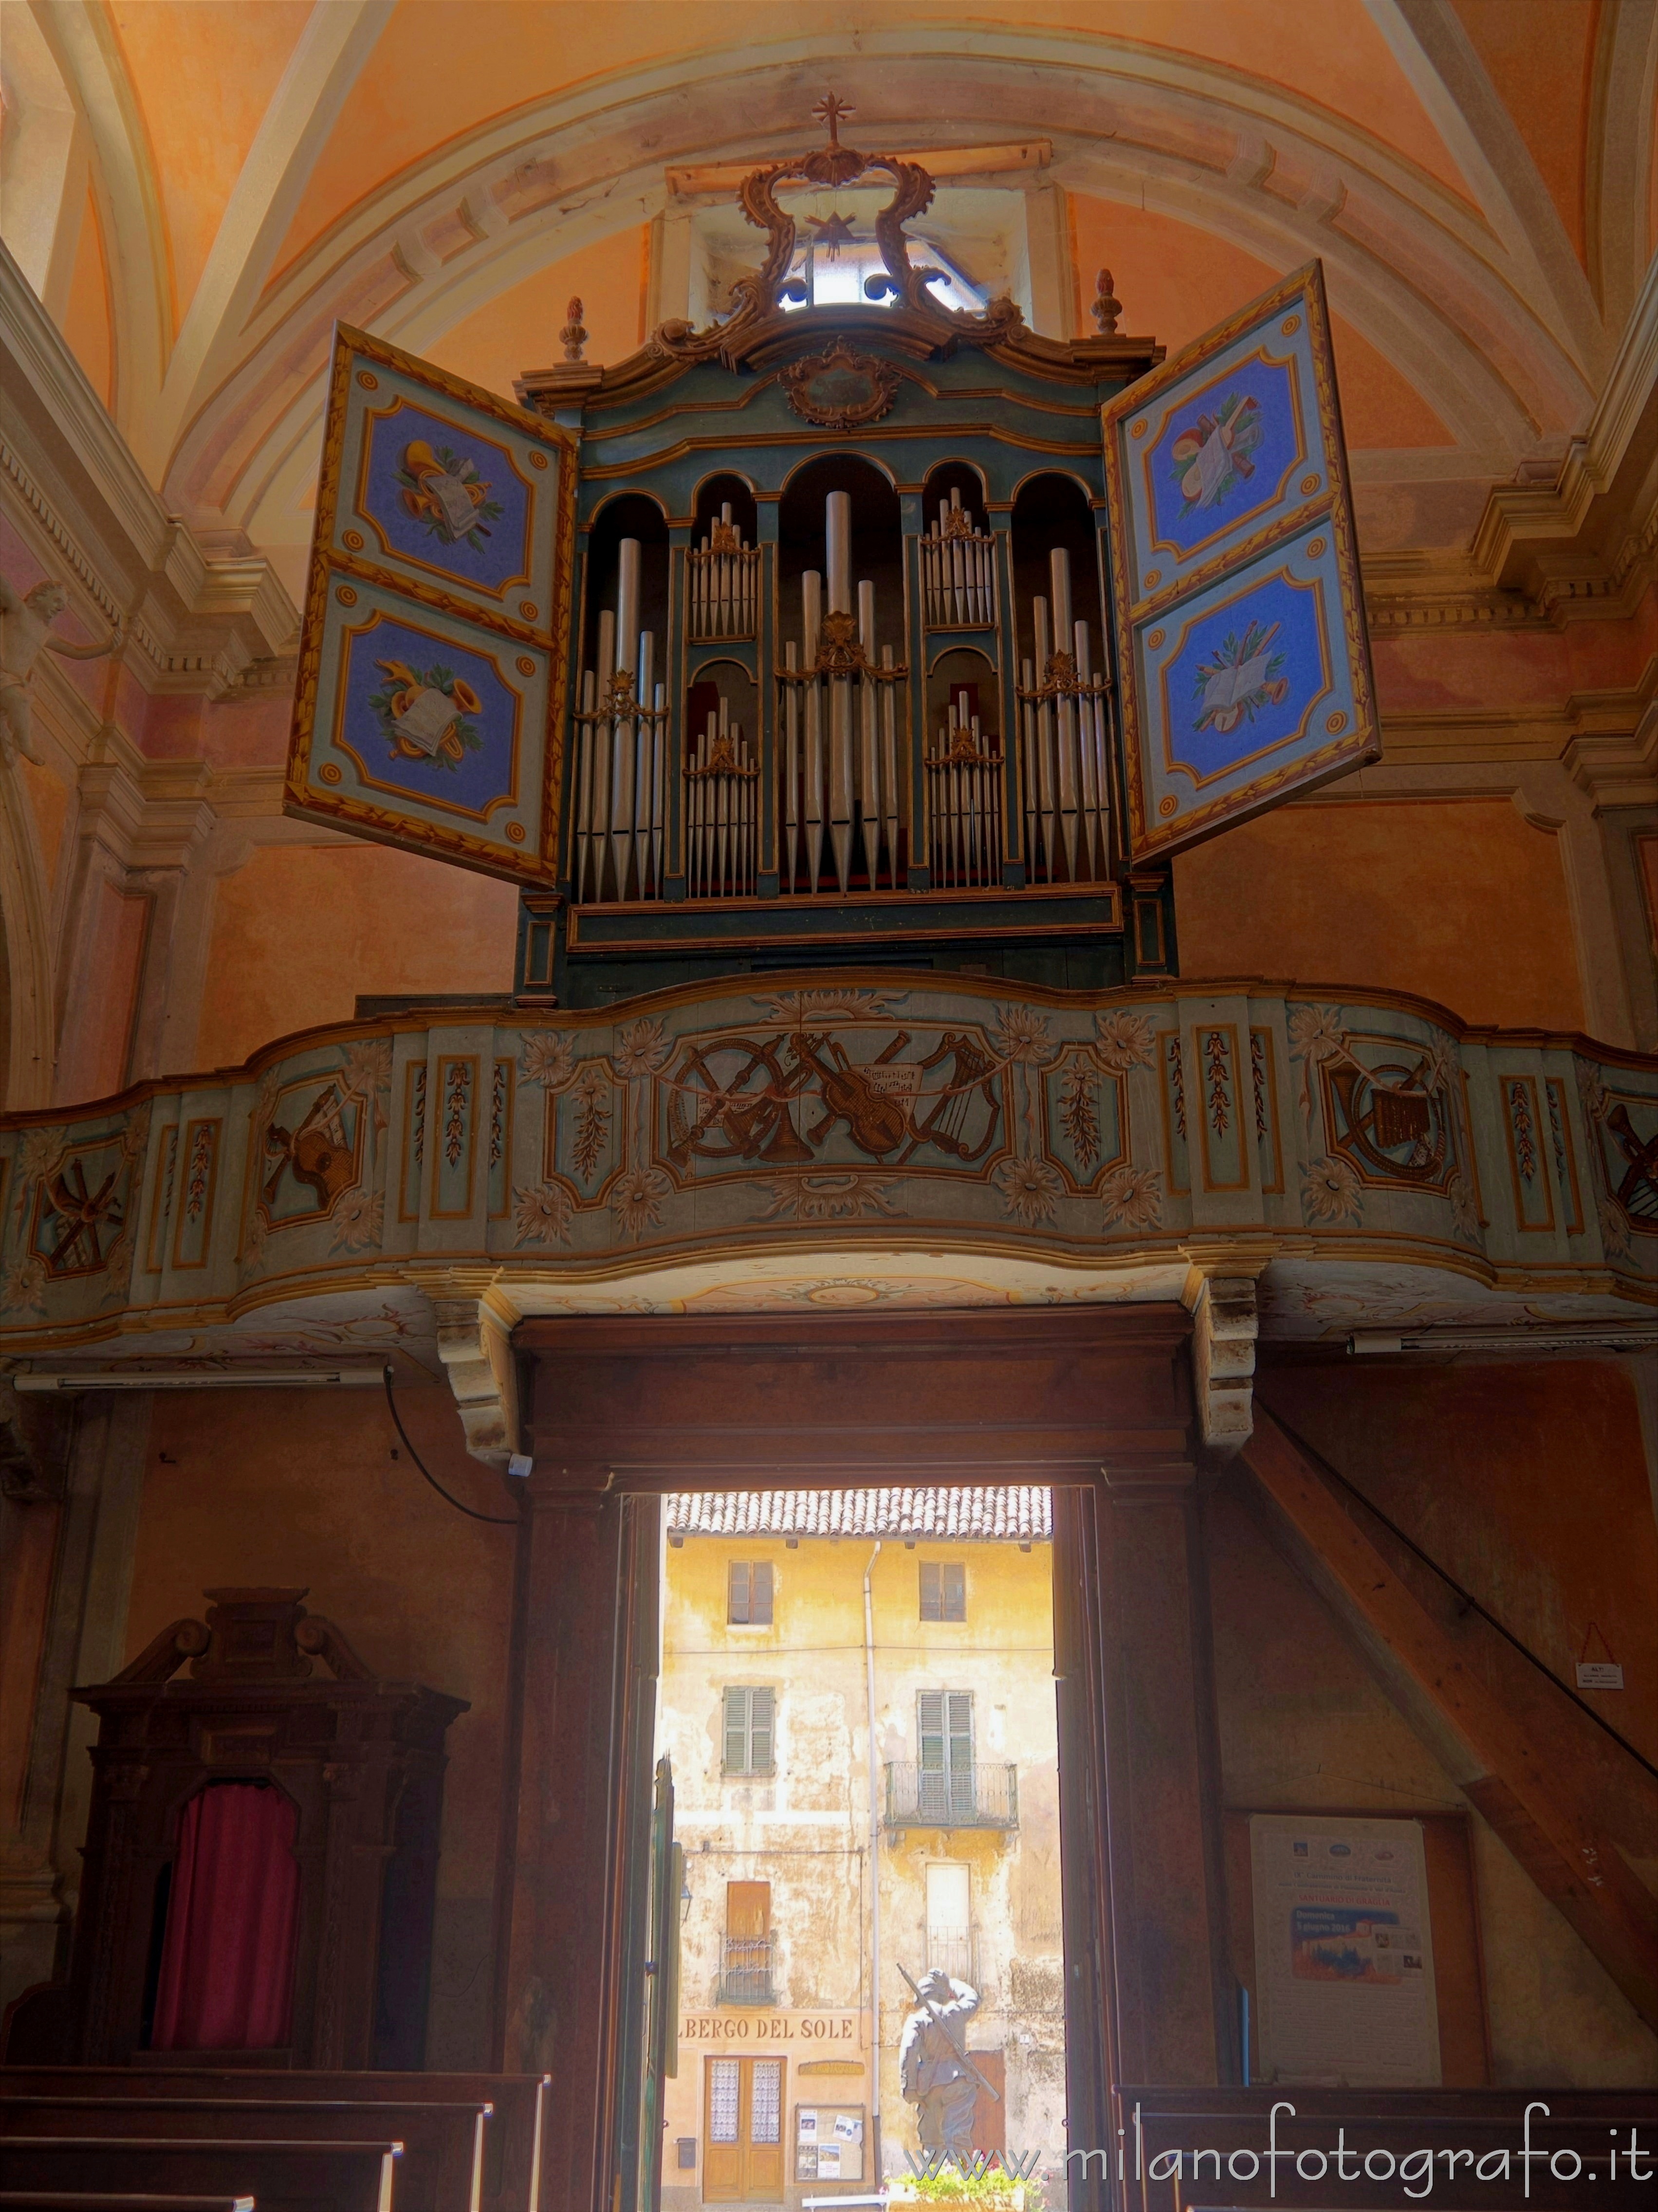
573,338
829,111
1107,306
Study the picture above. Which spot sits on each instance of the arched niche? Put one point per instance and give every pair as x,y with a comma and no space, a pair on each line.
877,542
630,515
963,669
961,478
718,492
1050,510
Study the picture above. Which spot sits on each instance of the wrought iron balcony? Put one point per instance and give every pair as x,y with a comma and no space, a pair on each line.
745,1970
964,1798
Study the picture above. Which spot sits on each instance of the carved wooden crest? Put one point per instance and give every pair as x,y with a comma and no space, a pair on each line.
840,388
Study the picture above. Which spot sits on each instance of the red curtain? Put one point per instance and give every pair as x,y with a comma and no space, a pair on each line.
227,1978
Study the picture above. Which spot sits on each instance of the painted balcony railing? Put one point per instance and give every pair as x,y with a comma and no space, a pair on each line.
976,1797
953,1140
745,1970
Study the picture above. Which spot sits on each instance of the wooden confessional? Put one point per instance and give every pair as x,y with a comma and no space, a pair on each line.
360,1761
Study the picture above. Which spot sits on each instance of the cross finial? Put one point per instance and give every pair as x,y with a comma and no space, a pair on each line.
829,111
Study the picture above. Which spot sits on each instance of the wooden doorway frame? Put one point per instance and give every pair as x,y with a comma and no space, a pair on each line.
1094,1402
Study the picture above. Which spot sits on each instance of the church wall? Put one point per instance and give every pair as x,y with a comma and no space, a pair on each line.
301,931
1485,1467
300,1490
1457,898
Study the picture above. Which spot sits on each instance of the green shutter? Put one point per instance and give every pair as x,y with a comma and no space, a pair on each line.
930,1730
759,1592
759,1735
736,1731
736,1608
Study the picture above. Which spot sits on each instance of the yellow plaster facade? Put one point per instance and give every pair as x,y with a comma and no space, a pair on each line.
804,1829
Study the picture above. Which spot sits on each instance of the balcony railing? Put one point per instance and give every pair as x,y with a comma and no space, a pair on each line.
964,1797
745,1970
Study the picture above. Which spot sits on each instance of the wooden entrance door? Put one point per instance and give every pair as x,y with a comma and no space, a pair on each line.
742,2131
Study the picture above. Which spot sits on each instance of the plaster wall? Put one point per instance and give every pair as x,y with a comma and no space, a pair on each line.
1458,899
1481,1465
301,1489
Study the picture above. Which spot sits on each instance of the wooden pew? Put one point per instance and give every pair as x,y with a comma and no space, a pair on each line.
512,2136
443,2165
80,2200
280,2177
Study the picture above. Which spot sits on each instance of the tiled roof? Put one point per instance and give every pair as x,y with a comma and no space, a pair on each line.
1003,1513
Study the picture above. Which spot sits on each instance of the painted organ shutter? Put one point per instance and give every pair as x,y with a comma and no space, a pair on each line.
1243,662
430,701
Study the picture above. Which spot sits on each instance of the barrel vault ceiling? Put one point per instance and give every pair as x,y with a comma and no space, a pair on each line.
199,191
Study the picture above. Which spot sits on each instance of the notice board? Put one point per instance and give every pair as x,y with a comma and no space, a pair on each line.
1321,1942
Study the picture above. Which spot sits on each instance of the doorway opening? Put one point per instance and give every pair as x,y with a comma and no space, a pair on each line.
856,1706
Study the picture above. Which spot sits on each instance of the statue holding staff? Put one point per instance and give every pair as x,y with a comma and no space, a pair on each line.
936,2075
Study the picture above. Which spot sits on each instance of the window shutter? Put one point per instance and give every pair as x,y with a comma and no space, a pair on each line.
736,1731
1243,667
759,1592
931,1604
930,1730
440,599
961,1728
759,1731
736,1591
954,1592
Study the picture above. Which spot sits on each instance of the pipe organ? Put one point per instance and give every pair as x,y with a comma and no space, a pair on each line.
883,624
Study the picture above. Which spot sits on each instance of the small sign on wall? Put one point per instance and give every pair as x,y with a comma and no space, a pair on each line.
1605,1672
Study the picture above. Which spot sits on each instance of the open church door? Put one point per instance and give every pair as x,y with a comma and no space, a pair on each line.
1242,657
430,702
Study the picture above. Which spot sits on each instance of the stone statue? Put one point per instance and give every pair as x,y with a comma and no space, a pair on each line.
25,626
936,2076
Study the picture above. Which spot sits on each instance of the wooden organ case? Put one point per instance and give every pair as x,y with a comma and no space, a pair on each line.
361,1761
841,676
878,628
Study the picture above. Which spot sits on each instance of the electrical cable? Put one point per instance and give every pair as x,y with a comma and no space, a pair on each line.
1470,1603
495,1520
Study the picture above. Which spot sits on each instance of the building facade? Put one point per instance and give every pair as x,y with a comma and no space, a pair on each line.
765,1699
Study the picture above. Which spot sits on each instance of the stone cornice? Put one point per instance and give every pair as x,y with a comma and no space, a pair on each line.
198,622
1574,541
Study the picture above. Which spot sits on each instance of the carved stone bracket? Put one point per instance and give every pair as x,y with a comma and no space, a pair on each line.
475,1323
1219,1295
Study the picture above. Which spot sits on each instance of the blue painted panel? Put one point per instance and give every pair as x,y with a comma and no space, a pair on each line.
1246,683
430,698
1239,623
427,730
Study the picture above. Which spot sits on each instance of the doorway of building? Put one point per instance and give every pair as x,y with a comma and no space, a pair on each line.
856,1698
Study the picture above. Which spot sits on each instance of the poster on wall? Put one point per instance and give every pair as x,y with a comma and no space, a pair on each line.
1344,1953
